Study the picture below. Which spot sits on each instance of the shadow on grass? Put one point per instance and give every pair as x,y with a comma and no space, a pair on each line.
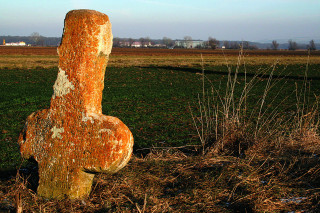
219,72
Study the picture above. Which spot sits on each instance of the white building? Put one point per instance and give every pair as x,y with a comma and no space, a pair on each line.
136,44
20,43
141,44
189,44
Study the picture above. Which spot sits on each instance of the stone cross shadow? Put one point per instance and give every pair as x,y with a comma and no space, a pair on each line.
73,140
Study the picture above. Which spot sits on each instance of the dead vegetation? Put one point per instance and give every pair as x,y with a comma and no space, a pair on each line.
49,61
170,181
274,174
46,57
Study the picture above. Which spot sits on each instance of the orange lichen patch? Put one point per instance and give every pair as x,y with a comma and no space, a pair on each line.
73,139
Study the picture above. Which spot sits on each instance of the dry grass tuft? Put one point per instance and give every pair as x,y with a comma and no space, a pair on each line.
172,182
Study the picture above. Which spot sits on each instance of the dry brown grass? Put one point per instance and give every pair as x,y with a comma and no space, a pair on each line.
167,181
27,61
48,61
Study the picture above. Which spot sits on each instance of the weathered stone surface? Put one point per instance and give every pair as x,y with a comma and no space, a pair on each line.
72,139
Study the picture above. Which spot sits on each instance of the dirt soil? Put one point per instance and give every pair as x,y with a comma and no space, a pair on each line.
11,50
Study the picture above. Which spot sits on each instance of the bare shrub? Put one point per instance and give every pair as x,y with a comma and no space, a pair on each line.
225,125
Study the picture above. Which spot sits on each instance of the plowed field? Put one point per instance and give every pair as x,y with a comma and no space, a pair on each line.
7,50
45,57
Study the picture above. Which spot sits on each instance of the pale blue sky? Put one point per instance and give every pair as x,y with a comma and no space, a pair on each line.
253,20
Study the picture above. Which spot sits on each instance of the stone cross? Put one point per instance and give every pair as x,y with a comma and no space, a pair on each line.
73,140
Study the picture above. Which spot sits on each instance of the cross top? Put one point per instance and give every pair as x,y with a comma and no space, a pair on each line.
73,140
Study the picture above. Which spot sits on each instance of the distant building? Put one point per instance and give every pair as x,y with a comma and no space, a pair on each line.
124,44
146,44
141,44
160,45
20,43
189,44
136,44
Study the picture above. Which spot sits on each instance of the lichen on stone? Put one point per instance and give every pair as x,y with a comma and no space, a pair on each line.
56,132
62,86
103,46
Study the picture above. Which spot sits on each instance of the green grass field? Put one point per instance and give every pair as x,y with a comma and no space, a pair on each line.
156,104
153,102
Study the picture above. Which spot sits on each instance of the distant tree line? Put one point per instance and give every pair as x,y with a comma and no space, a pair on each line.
211,43
186,42
35,39
292,45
